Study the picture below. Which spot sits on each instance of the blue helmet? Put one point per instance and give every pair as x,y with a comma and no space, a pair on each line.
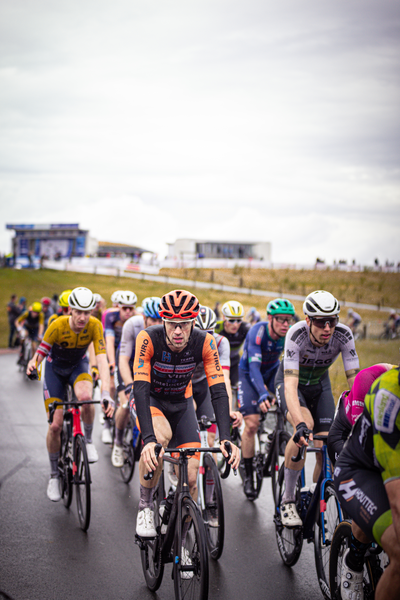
151,307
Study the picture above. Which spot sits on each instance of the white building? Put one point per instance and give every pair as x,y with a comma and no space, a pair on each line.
189,249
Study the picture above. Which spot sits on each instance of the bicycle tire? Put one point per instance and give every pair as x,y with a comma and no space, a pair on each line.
128,468
186,585
331,517
214,508
65,469
278,450
82,483
150,553
289,540
340,543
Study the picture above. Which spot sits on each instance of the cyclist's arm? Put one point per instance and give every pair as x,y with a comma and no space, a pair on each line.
142,380
254,357
351,375
393,492
126,348
104,372
19,321
216,383
124,369
92,356
291,383
349,354
110,348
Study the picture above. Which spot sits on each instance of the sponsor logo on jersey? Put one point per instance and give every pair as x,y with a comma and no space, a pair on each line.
365,425
351,490
386,408
260,334
212,344
143,347
289,353
216,361
166,357
141,363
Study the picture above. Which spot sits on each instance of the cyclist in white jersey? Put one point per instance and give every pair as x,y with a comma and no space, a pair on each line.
303,387
125,355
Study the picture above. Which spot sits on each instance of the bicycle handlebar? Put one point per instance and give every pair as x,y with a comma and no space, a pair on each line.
33,375
301,451
53,405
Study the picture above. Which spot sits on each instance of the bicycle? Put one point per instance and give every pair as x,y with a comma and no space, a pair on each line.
131,448
270,443
375,561
26,351
181,536
320,512
73,464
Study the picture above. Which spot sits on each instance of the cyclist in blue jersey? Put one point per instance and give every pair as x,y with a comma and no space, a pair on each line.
257,369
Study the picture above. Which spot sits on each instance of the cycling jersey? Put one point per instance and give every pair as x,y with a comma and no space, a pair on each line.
132,327
65,348
371,457
164,375
224,358
31,322
113,326
260,355
349,408
310,362
235,340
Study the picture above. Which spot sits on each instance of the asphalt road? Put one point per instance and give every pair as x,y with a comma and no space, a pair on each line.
44,555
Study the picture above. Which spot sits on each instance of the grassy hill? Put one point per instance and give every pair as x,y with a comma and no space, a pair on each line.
366,287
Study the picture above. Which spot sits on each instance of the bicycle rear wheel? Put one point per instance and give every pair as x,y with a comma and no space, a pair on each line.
213,513
289,540
326,522
150,552
82,482
128,449
278,457
340,543
190,570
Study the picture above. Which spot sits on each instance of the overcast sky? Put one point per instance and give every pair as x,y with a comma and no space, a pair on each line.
150,120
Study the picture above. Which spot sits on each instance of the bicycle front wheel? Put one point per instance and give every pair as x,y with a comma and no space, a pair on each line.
82,482
213,513
150,552
190,570
325,524
65,468
278,457
128,468
289,540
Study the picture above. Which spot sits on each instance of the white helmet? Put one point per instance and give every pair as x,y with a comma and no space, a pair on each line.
232,310
115,297
97,298
82,298
321,304
127,298
206,319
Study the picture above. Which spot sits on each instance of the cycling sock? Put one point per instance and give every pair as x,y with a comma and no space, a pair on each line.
54,456
355,558
291,477
88,432
209,485
248,467
119,434
146,498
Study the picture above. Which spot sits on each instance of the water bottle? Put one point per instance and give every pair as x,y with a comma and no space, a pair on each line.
165,511
306,494
135,435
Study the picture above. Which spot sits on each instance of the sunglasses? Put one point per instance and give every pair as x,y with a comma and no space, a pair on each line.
322,323
184,325
127,307
284,320
235,320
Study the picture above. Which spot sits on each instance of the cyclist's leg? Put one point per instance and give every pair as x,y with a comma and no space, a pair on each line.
248,406
82,383
53,389
389,584
322,411
204,408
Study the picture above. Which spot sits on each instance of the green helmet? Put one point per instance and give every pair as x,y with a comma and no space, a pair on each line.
280,306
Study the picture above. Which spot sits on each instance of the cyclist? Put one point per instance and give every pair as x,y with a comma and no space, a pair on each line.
303,387
125,357
64,346
63,307
165,358
257,369
353,320
13,312
253,316
395,318
367,480
114,306
206,321
30,323
235,329
47,310
99,308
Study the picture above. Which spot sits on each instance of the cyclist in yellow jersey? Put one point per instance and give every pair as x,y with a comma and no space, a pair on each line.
64,346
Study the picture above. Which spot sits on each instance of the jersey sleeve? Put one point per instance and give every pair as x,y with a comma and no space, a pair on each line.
97,336
224,351
348,349
128,339
291,354
49,338
254,356
41,318
144,351
108,325
23,316
212,366
216,382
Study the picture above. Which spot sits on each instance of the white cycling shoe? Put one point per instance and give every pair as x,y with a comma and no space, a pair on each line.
106,435
91,452
187,562
145,523
53,489
351,582
117,456
289,515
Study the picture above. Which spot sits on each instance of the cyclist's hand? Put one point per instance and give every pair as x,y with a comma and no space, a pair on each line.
264,402
299,437
30,366
236,417
128,391
149,456
95,374
112,368
235,456
109,411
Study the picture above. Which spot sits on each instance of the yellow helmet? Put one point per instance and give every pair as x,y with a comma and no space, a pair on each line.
233,309
63,299
36,307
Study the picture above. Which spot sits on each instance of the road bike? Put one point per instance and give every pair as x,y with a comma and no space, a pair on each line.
270,443
73,464
181,537
131,448
375,561
320,512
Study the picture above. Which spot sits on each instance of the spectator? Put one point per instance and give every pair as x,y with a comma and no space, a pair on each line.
217,311
13,312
